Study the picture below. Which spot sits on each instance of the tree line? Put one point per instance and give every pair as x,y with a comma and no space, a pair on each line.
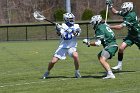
21,11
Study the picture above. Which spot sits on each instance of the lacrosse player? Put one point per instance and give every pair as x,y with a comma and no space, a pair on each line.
105,36
130,21
68,32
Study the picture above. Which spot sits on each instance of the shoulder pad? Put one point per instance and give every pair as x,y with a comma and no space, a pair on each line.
76,25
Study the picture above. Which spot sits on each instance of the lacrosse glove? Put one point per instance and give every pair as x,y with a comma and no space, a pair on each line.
58,29
58,26
109,3
87,42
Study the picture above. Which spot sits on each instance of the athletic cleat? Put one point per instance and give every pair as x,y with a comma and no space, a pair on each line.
77,75
45,75
119,68
109,76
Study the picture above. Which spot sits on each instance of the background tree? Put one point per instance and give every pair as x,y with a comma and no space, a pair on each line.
20,11
87,14
103,14
58,14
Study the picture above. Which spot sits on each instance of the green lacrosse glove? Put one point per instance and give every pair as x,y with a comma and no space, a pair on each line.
109,3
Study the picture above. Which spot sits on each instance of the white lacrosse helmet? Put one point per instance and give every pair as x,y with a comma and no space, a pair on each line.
127,7
95,20
69,18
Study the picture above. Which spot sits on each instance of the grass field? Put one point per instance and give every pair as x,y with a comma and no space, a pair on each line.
22,65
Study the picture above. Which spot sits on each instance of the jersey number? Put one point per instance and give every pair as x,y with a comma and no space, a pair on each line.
109,30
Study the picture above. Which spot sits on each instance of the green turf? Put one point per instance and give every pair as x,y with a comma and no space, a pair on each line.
23,63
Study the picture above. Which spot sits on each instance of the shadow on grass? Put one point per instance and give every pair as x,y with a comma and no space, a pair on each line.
91,76
123,71
104,74
50,77
116,71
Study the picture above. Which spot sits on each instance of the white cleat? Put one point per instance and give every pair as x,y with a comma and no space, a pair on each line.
77,75
109,76
119,68
45,75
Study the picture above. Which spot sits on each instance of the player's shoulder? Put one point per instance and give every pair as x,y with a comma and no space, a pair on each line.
64,25
76,25
101,26
131,15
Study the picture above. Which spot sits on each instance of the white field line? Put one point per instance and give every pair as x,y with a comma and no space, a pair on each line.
26,83
20,84
125,90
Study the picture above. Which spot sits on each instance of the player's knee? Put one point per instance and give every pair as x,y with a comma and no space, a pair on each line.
53,62
121,49
75,55
101,59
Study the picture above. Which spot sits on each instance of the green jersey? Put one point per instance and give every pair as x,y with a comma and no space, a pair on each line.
105,34
131,22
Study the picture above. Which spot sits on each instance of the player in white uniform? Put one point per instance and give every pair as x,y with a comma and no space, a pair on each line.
68,32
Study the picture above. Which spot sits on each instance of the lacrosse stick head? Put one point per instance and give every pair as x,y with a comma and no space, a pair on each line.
38,16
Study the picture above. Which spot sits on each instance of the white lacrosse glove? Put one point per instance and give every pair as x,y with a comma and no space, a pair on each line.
77,32
58,26
87,42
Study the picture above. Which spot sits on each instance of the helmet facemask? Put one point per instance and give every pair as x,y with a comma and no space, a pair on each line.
69,18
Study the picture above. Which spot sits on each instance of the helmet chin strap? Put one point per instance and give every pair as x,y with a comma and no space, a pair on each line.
125,12
95,25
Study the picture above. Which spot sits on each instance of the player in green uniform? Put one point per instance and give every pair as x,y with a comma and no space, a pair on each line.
130,21
105,36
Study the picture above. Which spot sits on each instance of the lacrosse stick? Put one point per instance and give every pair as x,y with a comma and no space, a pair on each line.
106,14
40,17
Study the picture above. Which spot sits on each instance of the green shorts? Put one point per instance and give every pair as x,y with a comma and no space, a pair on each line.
130,41
111,50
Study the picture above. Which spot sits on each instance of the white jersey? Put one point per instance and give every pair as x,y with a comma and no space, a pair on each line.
68,40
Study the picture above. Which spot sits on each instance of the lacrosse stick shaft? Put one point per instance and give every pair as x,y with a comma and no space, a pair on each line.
106,16
50,21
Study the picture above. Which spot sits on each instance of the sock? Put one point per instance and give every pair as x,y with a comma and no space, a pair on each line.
120,56
77,71
119,63
47,71
109,72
